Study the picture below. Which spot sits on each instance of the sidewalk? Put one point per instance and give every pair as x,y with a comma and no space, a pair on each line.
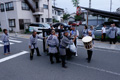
27,36
102,45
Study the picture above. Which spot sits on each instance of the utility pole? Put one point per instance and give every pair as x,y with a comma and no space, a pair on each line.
54,2
110,5
89,3
88,11
48,13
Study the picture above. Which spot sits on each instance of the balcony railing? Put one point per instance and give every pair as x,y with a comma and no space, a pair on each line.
40,9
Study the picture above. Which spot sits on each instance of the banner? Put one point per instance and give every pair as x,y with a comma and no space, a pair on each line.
78,12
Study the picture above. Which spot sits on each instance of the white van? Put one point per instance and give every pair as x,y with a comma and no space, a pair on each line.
38,26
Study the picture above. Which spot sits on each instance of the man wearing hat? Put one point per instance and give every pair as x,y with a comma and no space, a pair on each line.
63,44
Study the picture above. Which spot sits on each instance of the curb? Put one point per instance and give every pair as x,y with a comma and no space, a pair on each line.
101,48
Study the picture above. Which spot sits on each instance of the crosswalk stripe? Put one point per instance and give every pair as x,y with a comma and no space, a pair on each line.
12,38
3,45
13,56
40,40
0,41
15,41
12,41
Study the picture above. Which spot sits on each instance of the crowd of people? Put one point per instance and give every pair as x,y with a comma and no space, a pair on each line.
111,33
57,48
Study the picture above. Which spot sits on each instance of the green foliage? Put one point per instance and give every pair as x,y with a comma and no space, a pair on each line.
66,16
75,3
27,31
110,20
78,17
54,21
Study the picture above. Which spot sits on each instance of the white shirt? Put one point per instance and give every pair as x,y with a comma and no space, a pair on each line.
104,29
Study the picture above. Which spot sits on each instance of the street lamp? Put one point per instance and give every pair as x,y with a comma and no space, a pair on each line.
6,16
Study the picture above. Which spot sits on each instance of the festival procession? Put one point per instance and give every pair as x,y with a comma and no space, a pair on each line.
59,40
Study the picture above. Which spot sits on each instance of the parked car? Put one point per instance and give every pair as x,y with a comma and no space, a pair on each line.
72,23
38,26
56,25
98,30
78,23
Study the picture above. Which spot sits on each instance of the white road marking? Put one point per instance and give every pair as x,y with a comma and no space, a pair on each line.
3,45
12,38
15,41
40,40
94,68
13,56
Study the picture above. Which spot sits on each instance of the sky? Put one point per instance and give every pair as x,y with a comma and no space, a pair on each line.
97,4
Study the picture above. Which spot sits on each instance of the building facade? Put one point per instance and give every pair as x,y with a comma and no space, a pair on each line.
22,12
57,13
118,10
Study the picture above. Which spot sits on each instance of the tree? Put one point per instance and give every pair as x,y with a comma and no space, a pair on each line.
78,17
75,3
66,16
54,21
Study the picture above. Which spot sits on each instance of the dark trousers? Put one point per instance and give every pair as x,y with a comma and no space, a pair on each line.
113,40
104,36
32,53
56,55
63,57
89,52
75,42
6,48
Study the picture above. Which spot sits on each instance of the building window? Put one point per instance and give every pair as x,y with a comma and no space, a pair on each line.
37,5
9,6
25,6
59,13
2,7
37,19
53,11
48,19
45,6
42,19
12,22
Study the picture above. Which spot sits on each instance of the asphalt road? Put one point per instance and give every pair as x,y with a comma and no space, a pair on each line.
105,65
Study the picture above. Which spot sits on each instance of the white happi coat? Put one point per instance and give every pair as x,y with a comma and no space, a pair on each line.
33,41
53,43
5,39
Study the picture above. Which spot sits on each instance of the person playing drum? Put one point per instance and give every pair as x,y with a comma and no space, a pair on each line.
90,51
